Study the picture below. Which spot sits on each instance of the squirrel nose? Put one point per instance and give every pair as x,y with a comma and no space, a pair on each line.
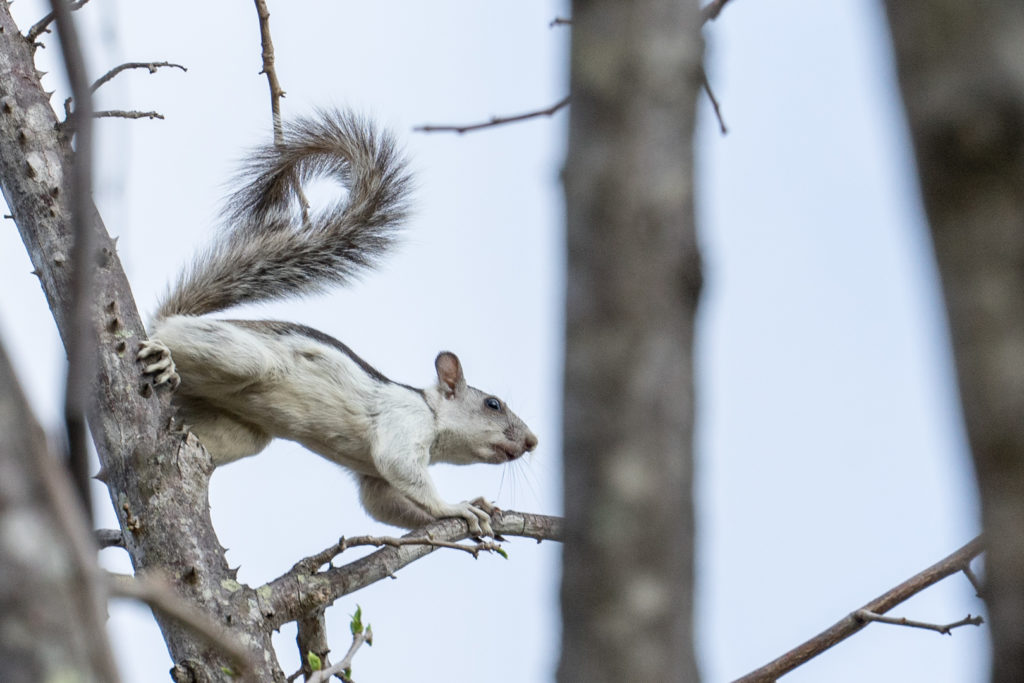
531,441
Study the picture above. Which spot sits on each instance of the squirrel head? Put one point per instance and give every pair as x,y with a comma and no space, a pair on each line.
472,425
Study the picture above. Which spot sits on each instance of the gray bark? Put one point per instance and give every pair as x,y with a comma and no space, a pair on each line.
633,284
961,71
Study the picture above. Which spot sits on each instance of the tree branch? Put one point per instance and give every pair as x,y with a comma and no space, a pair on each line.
276,91
945,629
494,120
304,589
151,66
854,622
42,26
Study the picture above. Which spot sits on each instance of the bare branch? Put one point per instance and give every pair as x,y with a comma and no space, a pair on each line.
560,21
160,597
121,114
494,120
945,629
42,26
151,66
303,589
851,623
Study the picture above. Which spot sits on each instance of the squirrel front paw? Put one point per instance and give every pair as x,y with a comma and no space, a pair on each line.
162,367
477,514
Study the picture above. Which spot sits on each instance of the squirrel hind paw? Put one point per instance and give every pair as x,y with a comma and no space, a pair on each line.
159,363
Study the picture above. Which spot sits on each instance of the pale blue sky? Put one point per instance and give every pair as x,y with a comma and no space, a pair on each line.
830,458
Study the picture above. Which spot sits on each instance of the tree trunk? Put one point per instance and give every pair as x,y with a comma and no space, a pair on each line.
157,478
633,284
961,70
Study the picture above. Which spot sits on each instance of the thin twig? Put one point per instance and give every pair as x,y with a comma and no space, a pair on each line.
42,26
560,21
494,120
151,66
850,624
345,664
161,598
714,101
314,562
973,578
121,114
276,92
945,629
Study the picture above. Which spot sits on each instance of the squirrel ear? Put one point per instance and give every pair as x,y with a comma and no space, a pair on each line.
449,373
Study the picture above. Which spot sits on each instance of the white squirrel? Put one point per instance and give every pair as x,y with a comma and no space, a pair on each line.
242,383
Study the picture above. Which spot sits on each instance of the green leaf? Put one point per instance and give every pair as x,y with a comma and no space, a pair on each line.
357,621
314,661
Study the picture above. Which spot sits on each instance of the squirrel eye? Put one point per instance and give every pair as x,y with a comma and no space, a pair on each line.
492,403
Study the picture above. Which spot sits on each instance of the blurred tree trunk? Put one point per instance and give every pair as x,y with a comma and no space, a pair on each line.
961,70
633,283
52,620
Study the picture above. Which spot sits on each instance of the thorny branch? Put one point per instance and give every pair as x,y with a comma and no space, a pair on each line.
151,66
855,621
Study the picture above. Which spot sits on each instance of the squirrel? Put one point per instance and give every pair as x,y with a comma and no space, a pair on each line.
241,383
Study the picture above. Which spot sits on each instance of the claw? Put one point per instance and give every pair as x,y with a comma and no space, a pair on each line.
163,366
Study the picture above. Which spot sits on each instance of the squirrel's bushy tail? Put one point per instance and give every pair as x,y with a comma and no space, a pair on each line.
270,248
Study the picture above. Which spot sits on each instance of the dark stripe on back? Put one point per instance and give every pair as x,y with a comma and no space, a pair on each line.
281,327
